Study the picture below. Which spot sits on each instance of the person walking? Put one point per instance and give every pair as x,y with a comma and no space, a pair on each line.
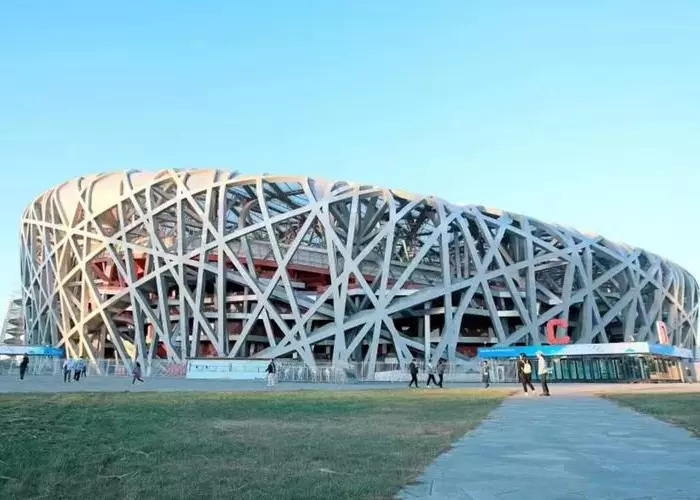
431,375
24,364
543,372
525,373
271,370
413,370
76,370
67,369
136,373
441,372
486,374
83,368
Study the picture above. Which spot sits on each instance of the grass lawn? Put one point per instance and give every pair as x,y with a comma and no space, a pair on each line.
301,445
678,409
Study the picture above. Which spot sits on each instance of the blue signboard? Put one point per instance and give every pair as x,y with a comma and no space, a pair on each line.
31,350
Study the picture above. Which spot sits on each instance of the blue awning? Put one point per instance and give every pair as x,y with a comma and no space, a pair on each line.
31,350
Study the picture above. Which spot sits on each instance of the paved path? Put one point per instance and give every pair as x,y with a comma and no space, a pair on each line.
565,448
47,384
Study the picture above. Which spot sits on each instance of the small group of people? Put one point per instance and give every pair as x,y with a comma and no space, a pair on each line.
525,373
524,368
432,371
74,369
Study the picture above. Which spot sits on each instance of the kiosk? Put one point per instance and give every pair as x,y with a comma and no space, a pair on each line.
618,362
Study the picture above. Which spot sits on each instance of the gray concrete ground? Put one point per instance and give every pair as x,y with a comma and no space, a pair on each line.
565,448
47,384
157,384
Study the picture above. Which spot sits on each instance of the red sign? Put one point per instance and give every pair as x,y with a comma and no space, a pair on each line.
551,333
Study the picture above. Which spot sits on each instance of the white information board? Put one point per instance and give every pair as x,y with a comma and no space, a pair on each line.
227,369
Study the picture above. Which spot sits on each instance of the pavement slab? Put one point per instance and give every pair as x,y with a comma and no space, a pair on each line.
94,383
50,385
565,448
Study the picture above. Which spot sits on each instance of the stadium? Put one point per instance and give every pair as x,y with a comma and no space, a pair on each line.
185,264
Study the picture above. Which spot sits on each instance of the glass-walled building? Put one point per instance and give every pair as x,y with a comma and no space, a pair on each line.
621,362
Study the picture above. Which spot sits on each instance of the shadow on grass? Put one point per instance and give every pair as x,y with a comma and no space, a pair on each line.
309,444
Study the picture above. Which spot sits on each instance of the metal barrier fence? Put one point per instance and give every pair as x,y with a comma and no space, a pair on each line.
39,365
392,372
287,370
464,372
298,371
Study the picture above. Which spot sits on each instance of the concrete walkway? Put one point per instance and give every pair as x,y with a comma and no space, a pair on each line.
573,447
50,385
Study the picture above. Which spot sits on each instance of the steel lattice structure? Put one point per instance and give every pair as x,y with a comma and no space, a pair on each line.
185,263
12,332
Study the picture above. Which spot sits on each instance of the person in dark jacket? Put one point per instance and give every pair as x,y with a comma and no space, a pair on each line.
136,373
271,370
431,375
441,372
67,363
525,373
485,374
23,366
413,369
77,370
543,372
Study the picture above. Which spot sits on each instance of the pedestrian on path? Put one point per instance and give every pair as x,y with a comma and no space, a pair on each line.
486,374
441,372
23,366
136,373
67,369
413,369
271,370
76,370
543,372
525,373
431,375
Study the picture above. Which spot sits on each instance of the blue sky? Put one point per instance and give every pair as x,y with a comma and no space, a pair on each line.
581,113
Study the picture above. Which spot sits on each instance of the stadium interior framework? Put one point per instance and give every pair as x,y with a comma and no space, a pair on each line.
181,264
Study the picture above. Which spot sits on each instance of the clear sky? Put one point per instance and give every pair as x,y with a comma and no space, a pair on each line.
581,113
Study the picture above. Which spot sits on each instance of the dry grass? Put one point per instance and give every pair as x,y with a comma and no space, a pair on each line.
679,409
306,445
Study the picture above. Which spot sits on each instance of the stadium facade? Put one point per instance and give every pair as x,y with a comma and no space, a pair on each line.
182,264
